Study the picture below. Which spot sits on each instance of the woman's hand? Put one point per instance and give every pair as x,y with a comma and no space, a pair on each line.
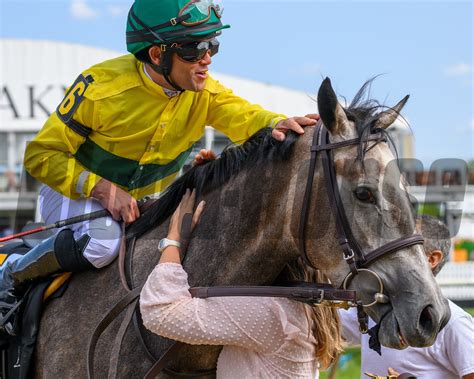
181,226
185,218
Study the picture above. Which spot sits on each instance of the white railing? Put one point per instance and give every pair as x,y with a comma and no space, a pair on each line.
457,280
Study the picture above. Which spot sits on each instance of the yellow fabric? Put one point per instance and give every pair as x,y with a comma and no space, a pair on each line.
2,257
131,117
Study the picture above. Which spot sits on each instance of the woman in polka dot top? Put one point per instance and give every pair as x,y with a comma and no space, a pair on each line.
261,337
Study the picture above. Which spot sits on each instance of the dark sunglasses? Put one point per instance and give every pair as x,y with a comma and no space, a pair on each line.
195,51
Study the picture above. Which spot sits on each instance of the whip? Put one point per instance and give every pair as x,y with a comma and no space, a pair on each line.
59,224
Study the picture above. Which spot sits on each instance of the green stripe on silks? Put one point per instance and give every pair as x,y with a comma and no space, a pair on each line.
123,171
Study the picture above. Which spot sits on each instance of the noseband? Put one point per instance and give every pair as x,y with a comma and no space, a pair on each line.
354,255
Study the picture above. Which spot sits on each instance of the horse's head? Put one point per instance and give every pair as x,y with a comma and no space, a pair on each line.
378,211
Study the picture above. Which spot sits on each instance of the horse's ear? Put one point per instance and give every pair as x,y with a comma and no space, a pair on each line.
331,112
389,116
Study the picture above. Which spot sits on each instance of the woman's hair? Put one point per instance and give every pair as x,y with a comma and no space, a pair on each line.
323,320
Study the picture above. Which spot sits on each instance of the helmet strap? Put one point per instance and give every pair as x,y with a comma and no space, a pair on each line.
164,69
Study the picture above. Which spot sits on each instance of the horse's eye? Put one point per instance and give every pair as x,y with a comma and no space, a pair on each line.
365,195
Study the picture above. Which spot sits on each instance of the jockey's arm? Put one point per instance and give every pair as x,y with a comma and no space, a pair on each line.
50,156
237,118
50,159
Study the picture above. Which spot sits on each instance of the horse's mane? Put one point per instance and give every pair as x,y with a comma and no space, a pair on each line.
261,148
365,112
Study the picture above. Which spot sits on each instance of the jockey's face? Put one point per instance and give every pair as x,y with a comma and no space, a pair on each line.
190,75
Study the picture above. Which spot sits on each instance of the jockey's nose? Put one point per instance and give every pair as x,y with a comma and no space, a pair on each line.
206,59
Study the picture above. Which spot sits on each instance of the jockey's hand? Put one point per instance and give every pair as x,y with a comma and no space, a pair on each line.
203,156
119,203
293,123
314,116
185,213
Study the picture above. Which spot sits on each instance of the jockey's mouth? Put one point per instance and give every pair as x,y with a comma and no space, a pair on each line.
201,74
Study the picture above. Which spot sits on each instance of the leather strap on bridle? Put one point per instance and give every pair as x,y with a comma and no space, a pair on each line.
306,203
129,298
143,205
307,294
160,364
346,239
399,244
121,259
115,353
353,253
326,147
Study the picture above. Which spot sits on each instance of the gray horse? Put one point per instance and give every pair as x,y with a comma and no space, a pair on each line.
249,232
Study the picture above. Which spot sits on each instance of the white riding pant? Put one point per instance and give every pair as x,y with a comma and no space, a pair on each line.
105,232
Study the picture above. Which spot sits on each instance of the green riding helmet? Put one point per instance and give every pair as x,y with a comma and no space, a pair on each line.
152,22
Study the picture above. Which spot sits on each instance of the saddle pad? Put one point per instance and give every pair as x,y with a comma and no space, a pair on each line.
56,284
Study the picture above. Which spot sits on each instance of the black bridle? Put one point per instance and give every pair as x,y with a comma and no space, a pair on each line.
355,256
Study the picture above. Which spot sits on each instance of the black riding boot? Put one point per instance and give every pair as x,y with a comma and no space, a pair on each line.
59,253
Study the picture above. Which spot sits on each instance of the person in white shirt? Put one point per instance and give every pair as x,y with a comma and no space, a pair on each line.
452,354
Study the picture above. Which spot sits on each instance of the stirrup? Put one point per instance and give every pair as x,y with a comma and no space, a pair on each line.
7,330
7,327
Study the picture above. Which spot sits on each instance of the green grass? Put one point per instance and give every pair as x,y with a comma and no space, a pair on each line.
470,311
348,366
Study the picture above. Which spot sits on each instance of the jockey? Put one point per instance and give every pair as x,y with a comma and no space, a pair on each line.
124,130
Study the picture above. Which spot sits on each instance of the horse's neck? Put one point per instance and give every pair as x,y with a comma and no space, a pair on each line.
242,236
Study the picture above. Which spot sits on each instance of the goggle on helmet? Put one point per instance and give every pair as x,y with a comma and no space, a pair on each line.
184,20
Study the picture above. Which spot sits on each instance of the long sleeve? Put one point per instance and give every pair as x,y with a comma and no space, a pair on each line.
49,157
259,324
236,117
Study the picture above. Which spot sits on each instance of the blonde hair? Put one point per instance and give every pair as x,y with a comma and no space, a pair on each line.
324,321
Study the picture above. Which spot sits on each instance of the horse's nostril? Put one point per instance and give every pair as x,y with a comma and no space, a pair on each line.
427,319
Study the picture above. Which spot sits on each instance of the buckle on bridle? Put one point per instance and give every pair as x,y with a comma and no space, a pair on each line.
350,256
308,296
321,297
